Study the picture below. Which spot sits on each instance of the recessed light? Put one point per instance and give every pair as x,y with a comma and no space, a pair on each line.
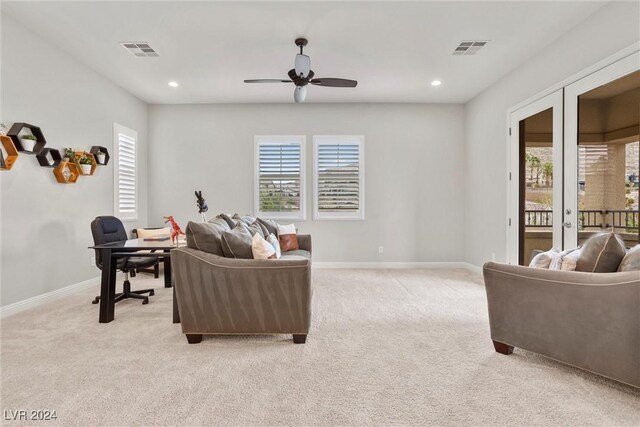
173,84
436,83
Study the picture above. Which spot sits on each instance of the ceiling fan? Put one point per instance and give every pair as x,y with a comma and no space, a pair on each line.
301,75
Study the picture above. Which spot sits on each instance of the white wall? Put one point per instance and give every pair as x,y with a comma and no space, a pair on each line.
611,29
45,226
413,171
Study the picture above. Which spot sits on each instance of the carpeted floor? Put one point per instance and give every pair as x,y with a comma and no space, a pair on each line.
386,347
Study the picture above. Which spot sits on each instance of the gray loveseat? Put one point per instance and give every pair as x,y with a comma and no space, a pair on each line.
226,296
588,320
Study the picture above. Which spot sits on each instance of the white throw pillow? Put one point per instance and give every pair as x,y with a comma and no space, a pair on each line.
276,245
286,229
146,233
556,262
262,249
543,260
569,261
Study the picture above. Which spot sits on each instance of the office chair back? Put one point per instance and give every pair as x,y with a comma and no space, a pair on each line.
106,229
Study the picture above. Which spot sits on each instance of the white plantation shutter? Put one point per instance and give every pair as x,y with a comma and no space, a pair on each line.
338,177
125,173
279,187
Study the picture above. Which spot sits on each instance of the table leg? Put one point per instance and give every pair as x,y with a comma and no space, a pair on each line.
107,287
176,313
167,270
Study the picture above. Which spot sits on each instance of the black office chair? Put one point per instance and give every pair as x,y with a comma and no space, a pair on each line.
106,229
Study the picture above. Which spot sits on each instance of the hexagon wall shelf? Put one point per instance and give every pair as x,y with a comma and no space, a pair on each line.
79,155
14,134
49,157
66,172
96,149
11,152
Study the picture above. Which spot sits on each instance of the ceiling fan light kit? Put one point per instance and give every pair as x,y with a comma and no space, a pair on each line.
301,75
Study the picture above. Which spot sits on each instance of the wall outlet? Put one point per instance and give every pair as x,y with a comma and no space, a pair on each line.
380,250
92,261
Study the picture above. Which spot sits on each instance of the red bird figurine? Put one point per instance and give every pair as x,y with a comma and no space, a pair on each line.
176,230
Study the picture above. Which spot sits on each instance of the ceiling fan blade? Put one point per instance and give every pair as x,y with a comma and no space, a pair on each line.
267,81
332,82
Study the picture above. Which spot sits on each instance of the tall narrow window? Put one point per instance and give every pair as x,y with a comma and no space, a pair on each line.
338,178
279,184
125,173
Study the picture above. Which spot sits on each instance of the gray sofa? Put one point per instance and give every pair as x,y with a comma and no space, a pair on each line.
588,320
227,296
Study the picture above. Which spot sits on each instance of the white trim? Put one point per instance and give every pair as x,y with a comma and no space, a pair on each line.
337,140
603,76
300,140
38,300
119,129
554,101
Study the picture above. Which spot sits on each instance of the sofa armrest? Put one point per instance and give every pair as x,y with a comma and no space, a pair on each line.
589,320
304,242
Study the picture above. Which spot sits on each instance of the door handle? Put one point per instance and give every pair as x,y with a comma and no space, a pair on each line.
567,224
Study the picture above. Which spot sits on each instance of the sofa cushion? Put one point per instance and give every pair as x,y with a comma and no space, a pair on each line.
206,236
544,259
602,253
247,219
296,253
236,243
273,240
270,225
631,261
230,222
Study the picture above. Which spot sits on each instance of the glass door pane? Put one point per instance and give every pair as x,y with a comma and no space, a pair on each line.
536,180
608,159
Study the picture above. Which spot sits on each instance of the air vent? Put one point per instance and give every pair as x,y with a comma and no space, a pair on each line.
469,47
142,50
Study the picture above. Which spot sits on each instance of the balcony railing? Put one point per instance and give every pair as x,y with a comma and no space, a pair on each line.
602,219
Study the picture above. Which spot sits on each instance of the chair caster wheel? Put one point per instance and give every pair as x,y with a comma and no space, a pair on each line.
145,301
152,293
96,300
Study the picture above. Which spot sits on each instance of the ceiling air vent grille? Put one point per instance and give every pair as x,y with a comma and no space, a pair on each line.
141,50
469,47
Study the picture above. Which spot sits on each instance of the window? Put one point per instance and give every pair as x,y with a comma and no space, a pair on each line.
279,183
125,173
338,177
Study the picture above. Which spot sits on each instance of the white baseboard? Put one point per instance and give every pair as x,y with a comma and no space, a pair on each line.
19,306
407,265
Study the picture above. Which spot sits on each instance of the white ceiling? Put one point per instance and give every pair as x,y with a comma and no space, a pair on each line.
393,49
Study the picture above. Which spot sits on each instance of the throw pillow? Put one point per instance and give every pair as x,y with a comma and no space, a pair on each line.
207,236
230,222
254,229
602,253
146,233
270,225
631,261
247,219
543,260
237,243
273,240
288,238
262,249
569,261
556,262
265,232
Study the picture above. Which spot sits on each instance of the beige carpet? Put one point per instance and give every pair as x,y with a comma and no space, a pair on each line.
386,347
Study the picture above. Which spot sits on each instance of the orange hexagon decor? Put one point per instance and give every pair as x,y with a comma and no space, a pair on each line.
66,172
79,155
10,151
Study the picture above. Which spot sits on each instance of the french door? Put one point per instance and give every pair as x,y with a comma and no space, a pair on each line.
574,163
535,177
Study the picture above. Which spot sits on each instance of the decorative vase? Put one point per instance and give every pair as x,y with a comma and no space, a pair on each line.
100,157
86,169
28,144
